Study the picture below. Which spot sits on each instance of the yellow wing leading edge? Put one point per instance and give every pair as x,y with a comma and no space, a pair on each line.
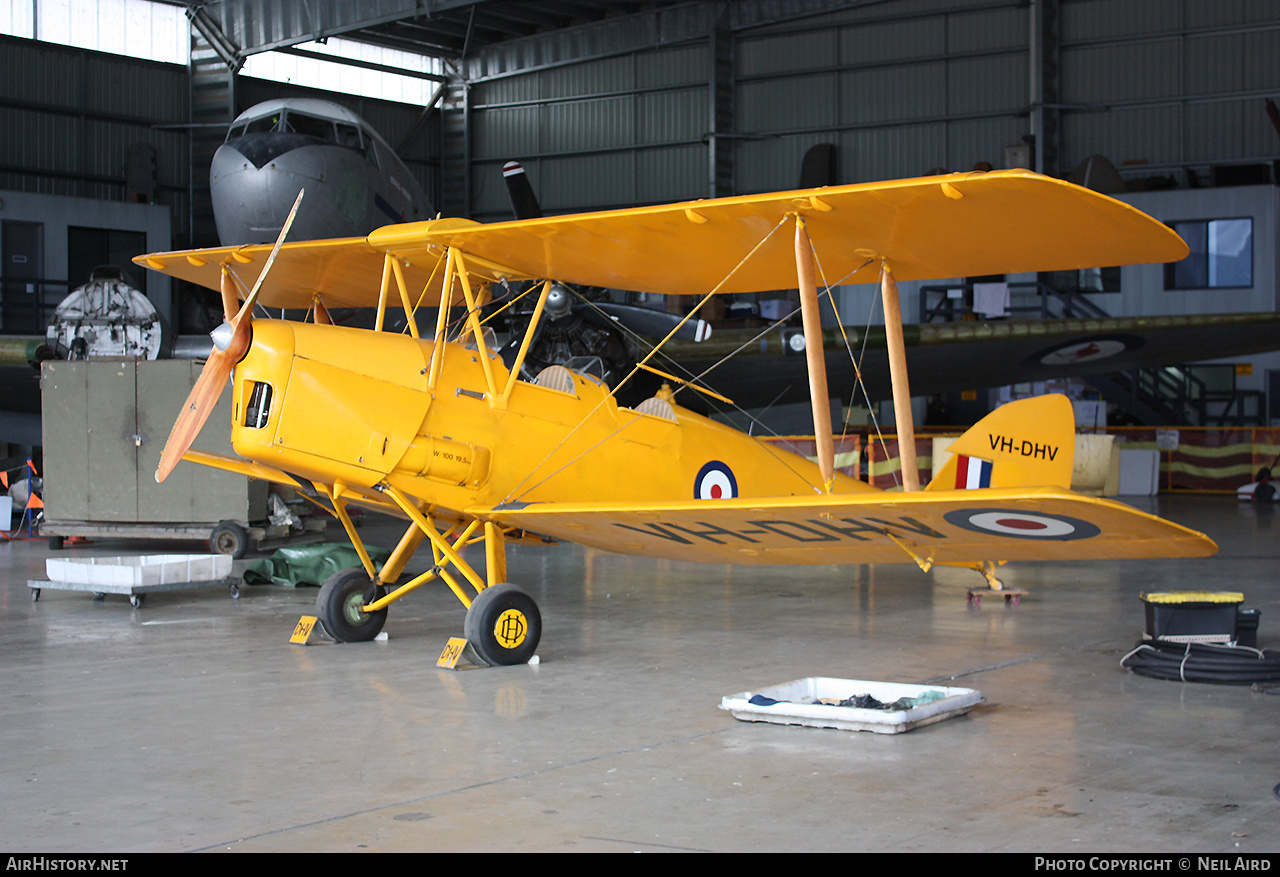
931,227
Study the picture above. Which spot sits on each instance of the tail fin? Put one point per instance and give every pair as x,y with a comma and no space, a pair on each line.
1028,443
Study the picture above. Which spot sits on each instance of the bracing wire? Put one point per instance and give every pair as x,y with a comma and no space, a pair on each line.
696,379
750,341
517,490
521,490
412,313
857,361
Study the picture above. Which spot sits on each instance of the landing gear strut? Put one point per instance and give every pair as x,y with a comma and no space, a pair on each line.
503,624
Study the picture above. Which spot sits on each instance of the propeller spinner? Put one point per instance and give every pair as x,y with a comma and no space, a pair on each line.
230,344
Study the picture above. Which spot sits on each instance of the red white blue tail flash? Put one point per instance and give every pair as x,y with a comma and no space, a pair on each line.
972,473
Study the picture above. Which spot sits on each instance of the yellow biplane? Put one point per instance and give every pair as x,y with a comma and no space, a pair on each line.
441,431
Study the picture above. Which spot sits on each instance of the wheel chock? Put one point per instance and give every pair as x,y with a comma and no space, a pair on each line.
456,650
309,632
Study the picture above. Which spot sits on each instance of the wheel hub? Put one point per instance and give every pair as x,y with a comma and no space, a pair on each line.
354,609
511,628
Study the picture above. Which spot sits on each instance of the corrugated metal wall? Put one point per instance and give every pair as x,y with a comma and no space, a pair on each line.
901,87
1178,86
618,130
943,87
1170,87
71,117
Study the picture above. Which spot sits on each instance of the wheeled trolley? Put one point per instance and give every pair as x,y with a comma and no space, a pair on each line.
135,577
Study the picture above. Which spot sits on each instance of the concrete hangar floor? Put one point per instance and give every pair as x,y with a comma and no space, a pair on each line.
191,723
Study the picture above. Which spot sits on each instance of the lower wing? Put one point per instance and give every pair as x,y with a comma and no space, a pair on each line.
313,491
957,526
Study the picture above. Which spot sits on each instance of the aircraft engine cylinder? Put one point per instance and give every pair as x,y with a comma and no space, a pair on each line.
446,460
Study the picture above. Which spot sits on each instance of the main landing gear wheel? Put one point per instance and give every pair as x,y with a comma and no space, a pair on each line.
503,625
338,606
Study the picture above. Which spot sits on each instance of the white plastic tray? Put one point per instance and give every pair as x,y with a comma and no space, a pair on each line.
107,574
796,705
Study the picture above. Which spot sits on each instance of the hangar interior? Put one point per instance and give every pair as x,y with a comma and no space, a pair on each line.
191,722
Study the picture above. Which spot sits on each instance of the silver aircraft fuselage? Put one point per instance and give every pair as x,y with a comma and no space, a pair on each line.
354,181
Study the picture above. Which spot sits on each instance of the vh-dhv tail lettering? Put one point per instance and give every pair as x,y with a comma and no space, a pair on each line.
1027,448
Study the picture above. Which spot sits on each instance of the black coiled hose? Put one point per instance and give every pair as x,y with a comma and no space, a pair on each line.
1203,662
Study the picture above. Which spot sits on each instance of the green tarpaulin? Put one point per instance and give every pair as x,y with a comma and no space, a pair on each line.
307,564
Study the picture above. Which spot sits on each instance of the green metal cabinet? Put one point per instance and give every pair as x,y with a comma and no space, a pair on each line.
105,424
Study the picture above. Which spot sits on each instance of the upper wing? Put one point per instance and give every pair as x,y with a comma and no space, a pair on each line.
932,227
943,527
347,272
957,225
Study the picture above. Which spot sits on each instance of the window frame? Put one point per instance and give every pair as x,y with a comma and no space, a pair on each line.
1172,269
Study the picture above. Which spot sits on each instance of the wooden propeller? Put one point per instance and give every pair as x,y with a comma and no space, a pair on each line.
230,343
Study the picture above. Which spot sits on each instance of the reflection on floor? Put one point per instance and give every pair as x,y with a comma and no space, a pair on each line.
191,723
